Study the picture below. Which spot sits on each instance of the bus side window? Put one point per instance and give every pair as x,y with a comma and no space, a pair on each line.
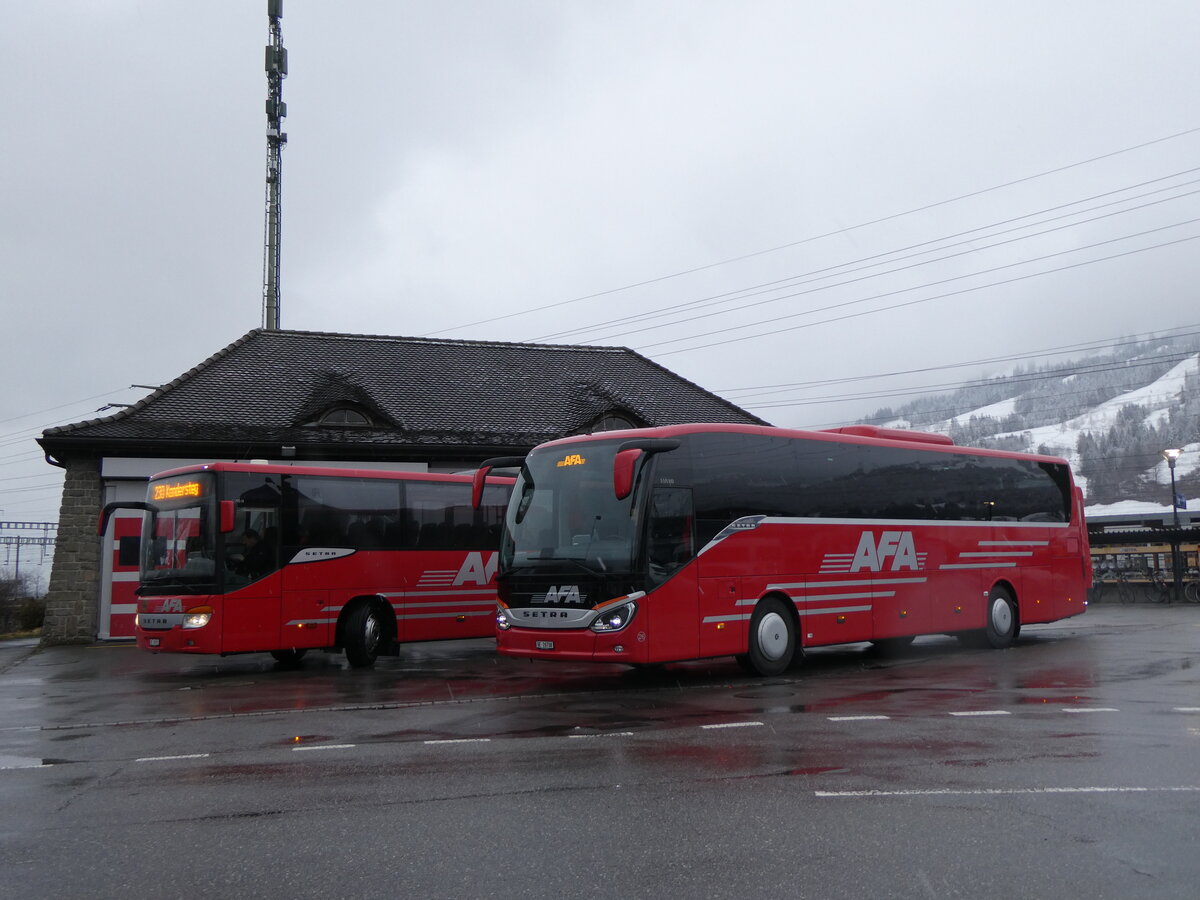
129,551
670,544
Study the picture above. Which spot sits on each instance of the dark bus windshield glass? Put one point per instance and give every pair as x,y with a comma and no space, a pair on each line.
179,534
564,508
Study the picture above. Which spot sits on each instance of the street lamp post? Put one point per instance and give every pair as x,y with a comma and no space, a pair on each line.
1170,456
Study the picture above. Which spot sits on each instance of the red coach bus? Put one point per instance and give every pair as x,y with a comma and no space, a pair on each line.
695,541
239,558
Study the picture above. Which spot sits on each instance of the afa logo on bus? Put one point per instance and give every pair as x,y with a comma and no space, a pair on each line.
476,570
896,547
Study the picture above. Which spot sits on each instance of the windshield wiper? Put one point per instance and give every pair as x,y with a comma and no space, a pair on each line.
535,563
192,584
580,564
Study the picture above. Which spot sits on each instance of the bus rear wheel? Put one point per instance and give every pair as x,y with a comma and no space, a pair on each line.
772,639
364,634
1002,623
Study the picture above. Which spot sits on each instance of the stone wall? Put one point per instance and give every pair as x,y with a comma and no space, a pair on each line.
73,600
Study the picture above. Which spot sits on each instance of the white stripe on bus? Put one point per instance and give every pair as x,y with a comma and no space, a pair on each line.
991,554
1014,543
867,580
843,609
435,604
979,565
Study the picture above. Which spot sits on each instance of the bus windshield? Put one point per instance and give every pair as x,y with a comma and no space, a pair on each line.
564,508
179,536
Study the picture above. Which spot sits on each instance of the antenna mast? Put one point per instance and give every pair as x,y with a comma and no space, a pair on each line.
276,64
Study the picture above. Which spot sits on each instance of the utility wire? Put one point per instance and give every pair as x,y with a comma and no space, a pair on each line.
870,262
1174,358
1032,354
917,391
808,240
39,412
918,301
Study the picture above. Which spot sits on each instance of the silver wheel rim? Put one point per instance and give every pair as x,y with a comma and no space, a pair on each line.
1001,615
370,634
772,636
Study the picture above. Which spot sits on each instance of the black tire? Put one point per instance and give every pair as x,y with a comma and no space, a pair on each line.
364,636
290,657
1002,623
772,642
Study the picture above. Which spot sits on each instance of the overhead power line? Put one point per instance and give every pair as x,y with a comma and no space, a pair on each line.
949,386
877,221
921,300
871,262
1170,334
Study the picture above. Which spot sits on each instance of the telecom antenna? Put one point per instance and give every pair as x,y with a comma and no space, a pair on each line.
276,110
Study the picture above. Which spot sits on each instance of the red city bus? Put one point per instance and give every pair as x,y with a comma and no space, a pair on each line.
239,558
694,541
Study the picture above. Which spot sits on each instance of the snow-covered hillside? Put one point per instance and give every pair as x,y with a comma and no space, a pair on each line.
1161,409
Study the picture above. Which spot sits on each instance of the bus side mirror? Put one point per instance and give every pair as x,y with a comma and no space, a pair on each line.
110,508
628,454
228,516
481,474
477,481
624,466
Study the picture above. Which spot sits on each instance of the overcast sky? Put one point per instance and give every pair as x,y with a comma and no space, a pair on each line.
722,186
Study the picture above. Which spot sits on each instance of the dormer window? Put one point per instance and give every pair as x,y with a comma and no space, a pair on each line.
343,416
613,422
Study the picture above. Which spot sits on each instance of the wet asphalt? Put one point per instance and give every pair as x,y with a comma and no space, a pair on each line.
1066,765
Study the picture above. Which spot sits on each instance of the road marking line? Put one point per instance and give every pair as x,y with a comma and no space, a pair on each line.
462,741
604,734
1089,709
941,792
1188,709
983,712
162,758
734,725
856,718
324,747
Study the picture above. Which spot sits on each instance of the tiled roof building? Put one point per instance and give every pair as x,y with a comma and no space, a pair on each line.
415,397
443,405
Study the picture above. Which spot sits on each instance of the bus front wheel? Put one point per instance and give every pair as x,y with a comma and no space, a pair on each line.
364,634
1002,623
772,639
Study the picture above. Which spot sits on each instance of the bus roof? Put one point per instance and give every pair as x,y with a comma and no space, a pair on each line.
283,468
851,434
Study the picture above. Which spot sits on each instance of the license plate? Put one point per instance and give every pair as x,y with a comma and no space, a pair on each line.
544,645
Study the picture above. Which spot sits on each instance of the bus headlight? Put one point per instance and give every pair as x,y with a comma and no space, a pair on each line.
502,620
198,617
616,618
